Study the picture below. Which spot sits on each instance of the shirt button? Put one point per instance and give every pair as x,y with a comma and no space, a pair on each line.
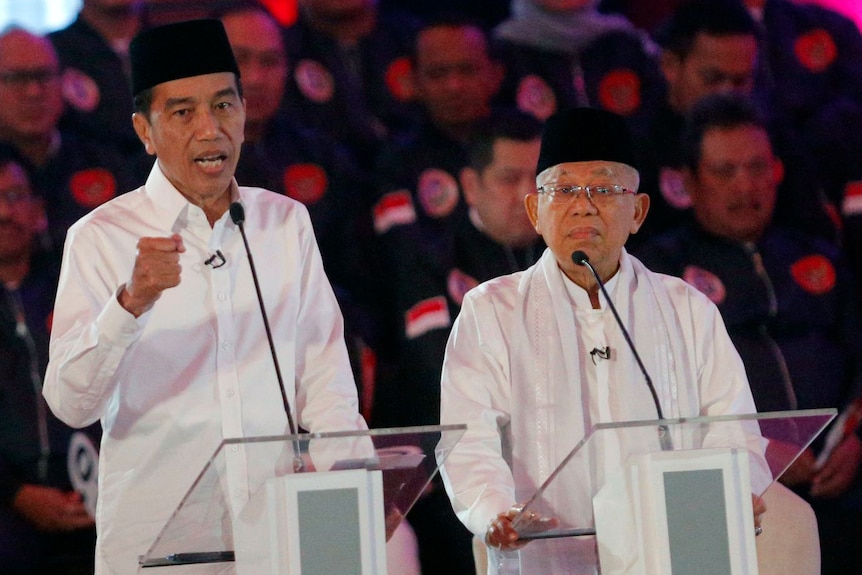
225,345
222,297
230,393
235,448
197,267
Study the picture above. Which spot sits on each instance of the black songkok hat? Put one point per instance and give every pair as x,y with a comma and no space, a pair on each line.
180,50
583,135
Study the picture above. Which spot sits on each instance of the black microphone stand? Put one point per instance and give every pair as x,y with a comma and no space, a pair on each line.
580,258
237,215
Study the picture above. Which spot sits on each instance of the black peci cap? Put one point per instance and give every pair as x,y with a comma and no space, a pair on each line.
583,135
180,50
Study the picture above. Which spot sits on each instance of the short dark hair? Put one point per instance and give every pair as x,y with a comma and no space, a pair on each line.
509,124
711,17
722,110
450,19
143,100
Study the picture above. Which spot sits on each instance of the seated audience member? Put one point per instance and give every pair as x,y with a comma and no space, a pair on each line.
492,237
73,172
564,53
455,79
349,72
46,505
517,368
94,54
788,300
711,46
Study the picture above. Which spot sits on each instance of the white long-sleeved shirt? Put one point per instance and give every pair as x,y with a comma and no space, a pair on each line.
196,368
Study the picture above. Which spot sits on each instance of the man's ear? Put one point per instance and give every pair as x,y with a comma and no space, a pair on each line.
469,180
670,64
641,209
531,203
143,129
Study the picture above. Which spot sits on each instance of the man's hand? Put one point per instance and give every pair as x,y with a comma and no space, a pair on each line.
157,268
759,507
50,509
840,469
501,532
801,471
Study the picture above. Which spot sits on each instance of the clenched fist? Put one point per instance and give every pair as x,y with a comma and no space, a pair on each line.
157,268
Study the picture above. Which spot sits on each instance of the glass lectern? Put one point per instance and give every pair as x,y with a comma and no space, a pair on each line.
309,503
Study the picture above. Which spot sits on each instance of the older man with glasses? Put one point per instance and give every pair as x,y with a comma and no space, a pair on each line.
519,369
73,171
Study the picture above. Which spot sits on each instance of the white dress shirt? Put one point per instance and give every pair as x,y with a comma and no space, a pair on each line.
196,368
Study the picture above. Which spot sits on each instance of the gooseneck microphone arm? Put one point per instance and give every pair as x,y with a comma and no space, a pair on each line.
237,215
580,258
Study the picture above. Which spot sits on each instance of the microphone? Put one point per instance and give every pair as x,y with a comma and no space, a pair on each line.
581,259
601,353
216,260
237,215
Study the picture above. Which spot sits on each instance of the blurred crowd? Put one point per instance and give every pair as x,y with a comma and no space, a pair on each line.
411,131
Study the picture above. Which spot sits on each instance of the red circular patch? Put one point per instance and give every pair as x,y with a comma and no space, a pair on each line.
535,97
305,183
706,283
620,92
314,81
815,274
93,187
672,188
815,50
80,91
398,79
438,192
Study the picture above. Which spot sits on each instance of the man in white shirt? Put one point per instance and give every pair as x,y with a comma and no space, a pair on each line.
158,331
519,370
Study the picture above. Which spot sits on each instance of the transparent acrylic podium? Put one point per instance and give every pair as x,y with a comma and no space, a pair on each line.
267,505
658,495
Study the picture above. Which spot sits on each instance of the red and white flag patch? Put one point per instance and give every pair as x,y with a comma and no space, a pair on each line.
851,205
394,209
428,314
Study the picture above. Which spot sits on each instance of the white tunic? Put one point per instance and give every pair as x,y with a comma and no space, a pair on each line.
518,372
196,368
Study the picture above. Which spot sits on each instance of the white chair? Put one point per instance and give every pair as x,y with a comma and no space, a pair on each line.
789,544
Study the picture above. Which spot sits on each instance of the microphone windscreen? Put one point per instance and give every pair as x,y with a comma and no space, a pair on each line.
237,213
580,257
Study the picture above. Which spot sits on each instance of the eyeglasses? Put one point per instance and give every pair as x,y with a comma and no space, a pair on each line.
758,168
599,195
21,78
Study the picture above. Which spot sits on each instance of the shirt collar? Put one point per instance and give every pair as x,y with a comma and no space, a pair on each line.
170,204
